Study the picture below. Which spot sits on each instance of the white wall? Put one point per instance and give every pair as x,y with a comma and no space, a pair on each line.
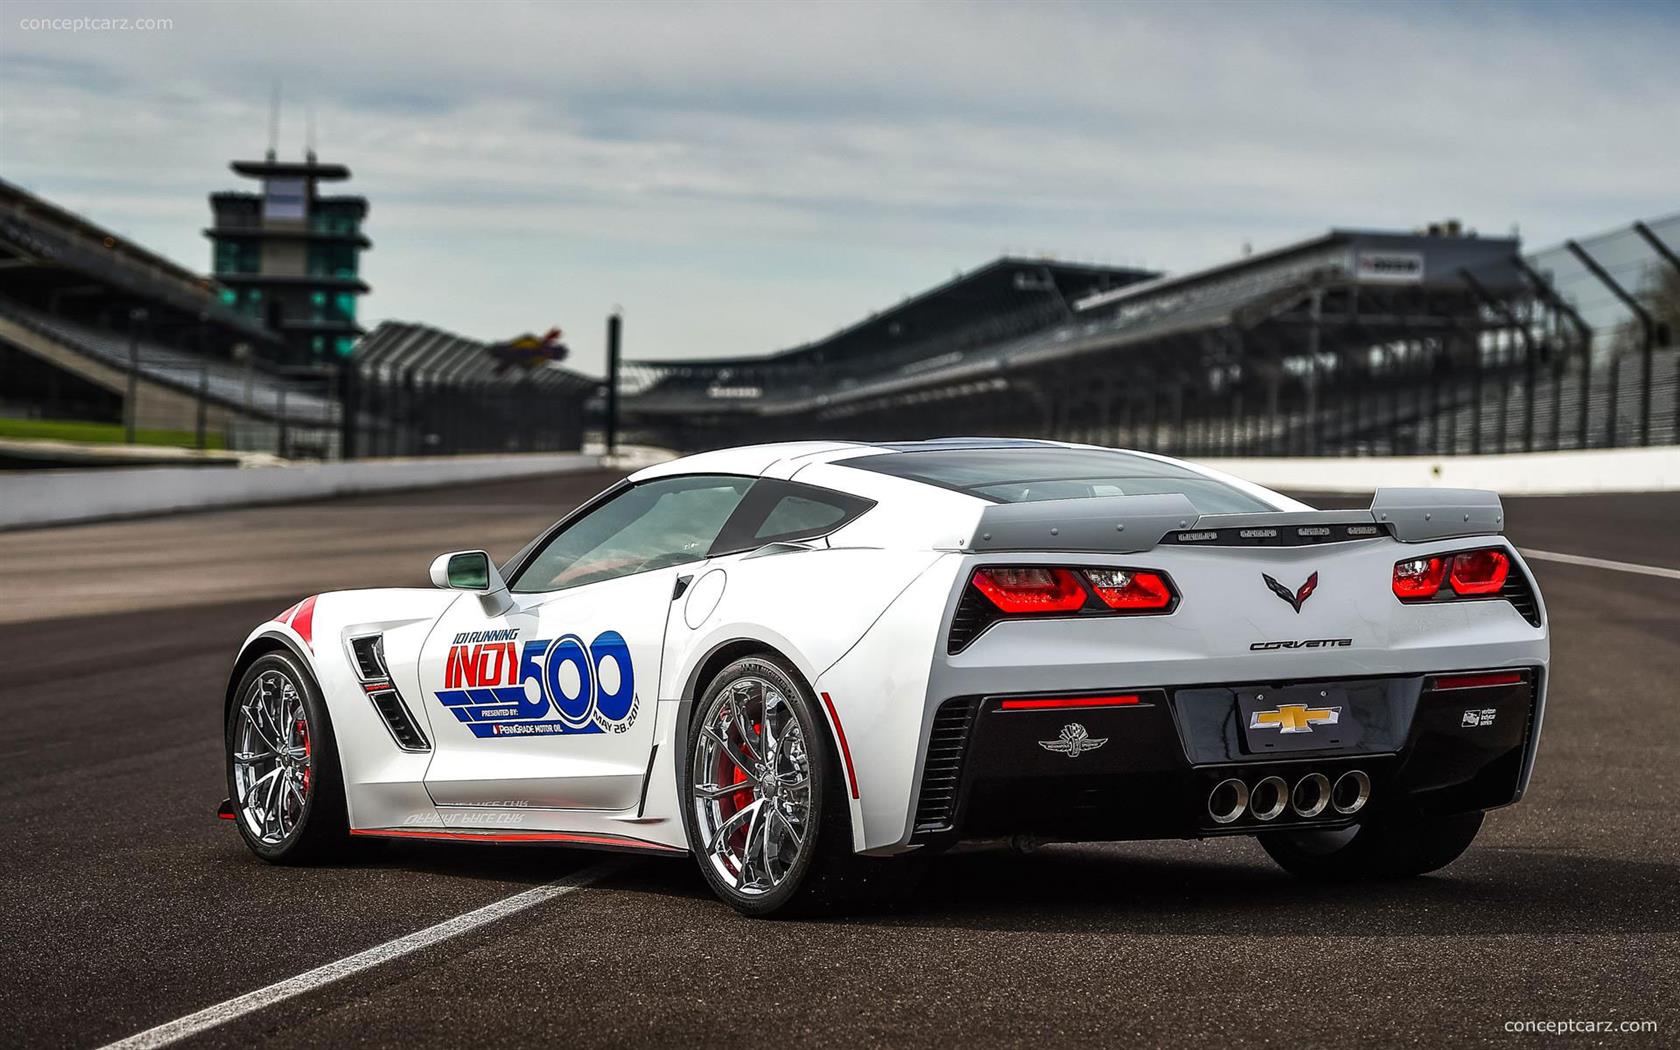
1522,474
54,497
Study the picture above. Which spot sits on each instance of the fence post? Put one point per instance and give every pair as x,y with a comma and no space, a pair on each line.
1648,331
615,326
280,418
131,404
203,397
348,383
203,382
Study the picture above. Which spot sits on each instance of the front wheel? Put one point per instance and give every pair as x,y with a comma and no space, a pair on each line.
282,765
1377,850
764,796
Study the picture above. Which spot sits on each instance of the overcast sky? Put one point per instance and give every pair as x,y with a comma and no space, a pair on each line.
746,177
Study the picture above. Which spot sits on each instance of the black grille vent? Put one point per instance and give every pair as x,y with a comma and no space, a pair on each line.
1520,593
942,775
370,656
397,719
975,612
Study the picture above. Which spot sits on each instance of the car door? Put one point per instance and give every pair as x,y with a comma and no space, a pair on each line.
551,704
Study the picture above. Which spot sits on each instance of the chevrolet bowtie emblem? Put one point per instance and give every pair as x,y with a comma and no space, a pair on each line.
1295,718
1073,741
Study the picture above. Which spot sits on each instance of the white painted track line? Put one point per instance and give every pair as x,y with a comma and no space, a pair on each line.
250,1002
1602,563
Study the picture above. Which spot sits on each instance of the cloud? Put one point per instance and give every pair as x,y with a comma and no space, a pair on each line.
743,177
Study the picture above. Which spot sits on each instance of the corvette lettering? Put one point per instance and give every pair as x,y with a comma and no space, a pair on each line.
498,686
1304,643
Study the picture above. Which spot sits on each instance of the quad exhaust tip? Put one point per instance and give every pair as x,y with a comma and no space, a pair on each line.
1227,800
1272,797
1311,795
1350,793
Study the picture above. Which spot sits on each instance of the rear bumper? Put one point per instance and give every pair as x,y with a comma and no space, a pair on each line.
1142,763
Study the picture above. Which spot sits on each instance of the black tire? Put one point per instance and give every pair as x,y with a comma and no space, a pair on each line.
1378,850
322,830
828,877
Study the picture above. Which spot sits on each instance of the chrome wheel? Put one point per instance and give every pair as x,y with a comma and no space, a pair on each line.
752,786
271,758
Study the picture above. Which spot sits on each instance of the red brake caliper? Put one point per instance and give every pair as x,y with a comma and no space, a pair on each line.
730,772
302,729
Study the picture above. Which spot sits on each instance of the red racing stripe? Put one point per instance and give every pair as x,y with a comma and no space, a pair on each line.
576,838
845,748
304,621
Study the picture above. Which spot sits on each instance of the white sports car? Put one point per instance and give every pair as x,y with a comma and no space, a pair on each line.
810,664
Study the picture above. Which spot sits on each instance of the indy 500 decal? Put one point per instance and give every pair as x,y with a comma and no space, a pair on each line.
499,686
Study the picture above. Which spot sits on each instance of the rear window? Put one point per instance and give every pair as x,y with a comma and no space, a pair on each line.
1021,475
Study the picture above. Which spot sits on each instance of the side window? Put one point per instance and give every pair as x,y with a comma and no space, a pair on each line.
668,521
795,515
785,510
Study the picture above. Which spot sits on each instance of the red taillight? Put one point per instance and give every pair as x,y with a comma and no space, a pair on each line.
1041,703
1479,572
1478,681
1418,577
1031,590
1126,589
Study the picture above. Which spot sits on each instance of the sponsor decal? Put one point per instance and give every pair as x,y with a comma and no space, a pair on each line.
1296,597
1073,741
1389,267
498,686
1476,717
1295,718
1303,643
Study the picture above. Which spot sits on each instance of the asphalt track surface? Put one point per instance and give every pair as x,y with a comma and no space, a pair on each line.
124,904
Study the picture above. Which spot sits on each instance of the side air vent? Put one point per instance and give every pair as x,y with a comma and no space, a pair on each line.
1520,593
399,721
369,651
974,614
942,775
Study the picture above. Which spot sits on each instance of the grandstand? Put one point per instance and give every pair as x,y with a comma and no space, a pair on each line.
96,329
1352,342
700,403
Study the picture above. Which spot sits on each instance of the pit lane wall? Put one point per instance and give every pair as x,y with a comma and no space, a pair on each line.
33,498
1519,474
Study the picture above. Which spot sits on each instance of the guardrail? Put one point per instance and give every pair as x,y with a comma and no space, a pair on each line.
35,498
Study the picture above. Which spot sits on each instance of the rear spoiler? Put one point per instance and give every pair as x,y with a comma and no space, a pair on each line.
1129,524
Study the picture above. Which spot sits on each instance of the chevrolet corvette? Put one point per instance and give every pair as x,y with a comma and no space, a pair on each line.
811,665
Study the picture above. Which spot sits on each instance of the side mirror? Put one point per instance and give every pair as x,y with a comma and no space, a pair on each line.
473,571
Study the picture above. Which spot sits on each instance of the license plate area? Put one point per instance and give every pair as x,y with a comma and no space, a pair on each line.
1292,719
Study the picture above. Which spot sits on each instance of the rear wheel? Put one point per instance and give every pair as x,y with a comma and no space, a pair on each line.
282,765
765,802
1391,849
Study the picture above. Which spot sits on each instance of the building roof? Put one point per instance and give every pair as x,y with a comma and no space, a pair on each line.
294,169
1000,287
